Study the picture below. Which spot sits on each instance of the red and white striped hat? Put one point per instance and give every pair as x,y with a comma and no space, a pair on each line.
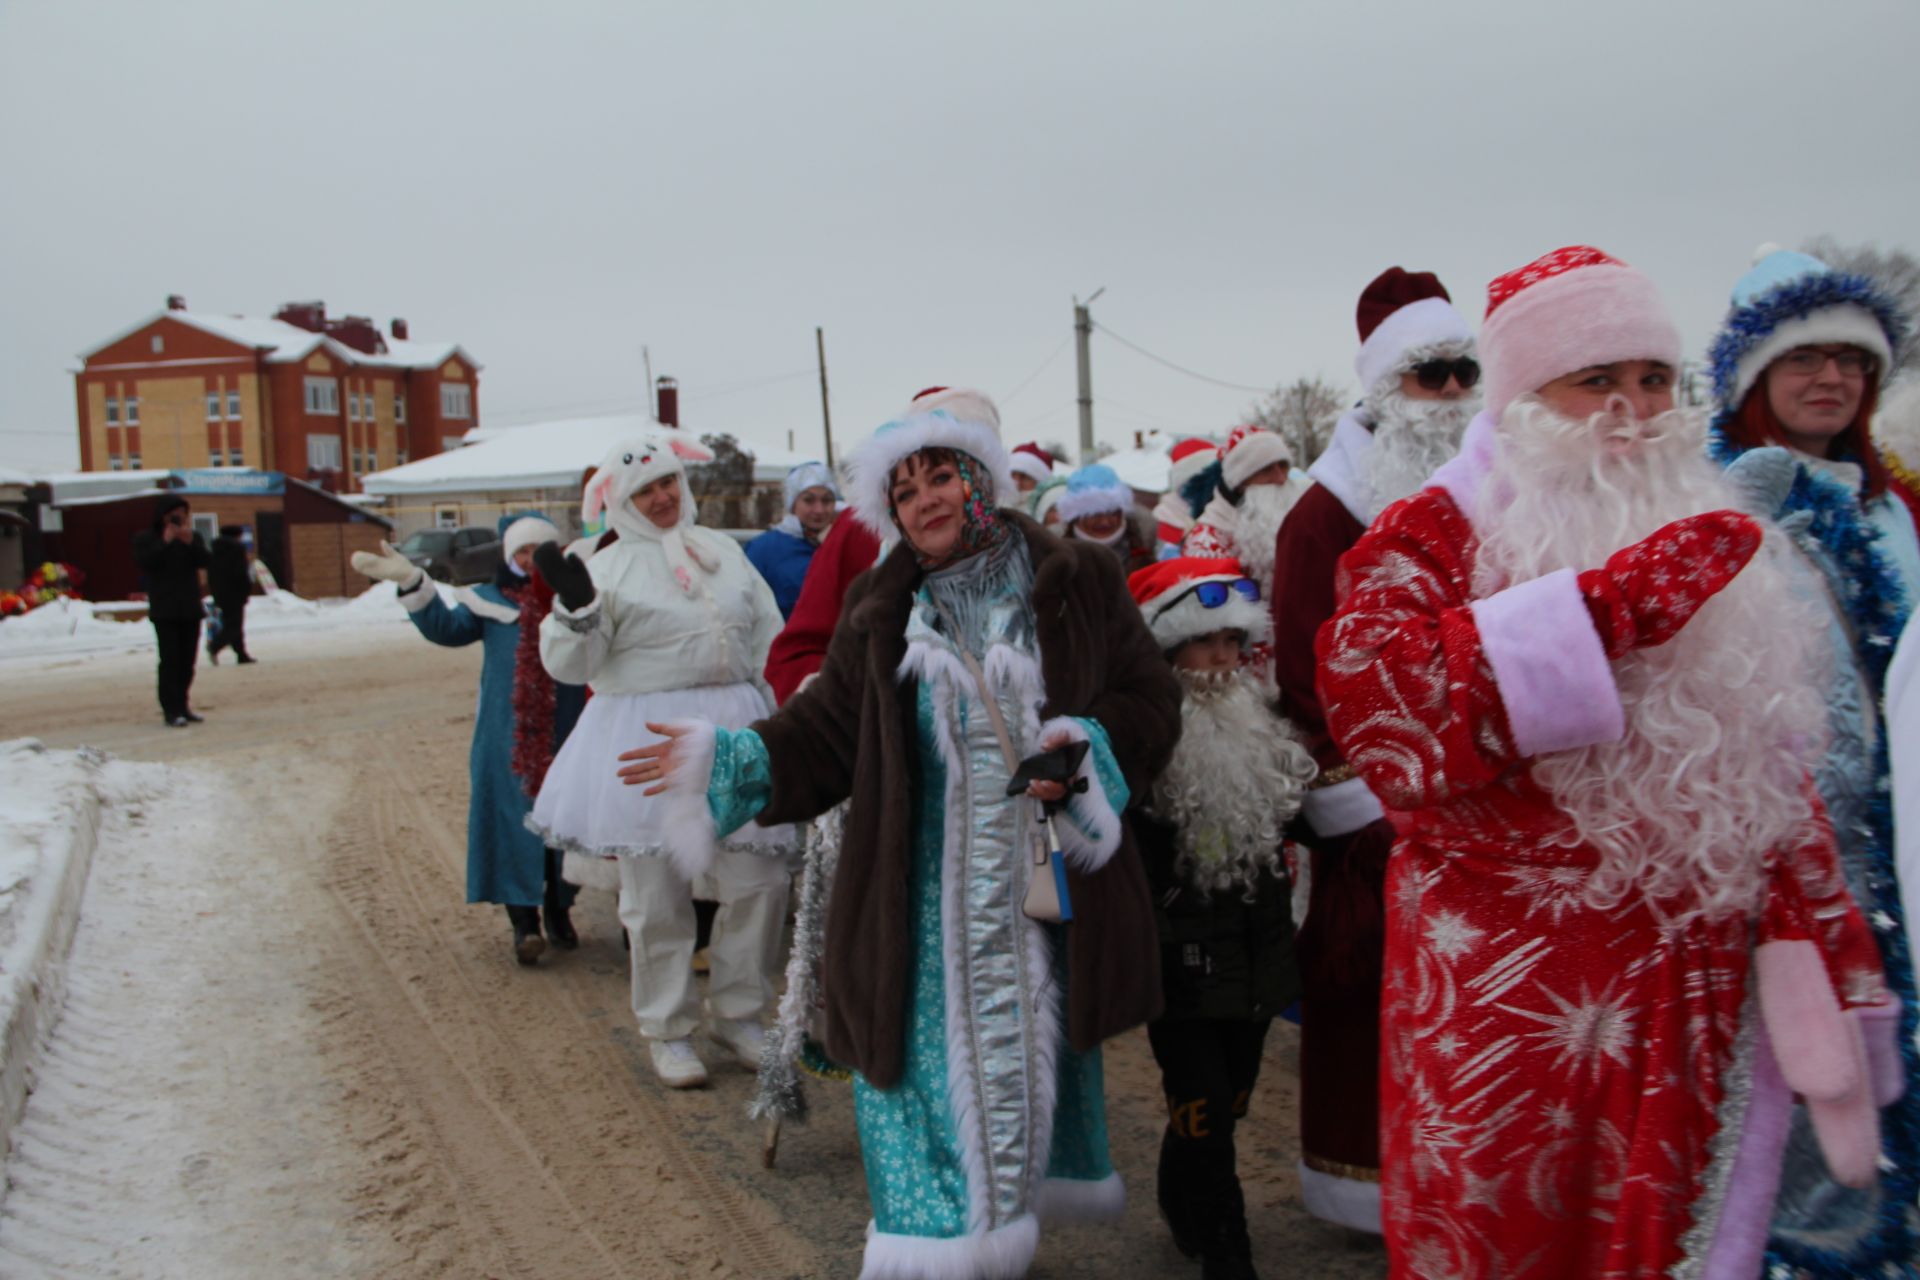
1250,450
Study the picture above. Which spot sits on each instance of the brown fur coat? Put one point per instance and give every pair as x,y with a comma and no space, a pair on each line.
851,734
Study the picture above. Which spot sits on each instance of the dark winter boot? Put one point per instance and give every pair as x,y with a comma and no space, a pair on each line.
1229,1251
560,897
1174,1188
528,945
560,929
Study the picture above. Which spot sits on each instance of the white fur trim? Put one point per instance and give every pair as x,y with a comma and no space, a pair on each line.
1342,808
1076,504
527,531
1550,666
1078,1200
1418,324
583,619
1256,451
416,597
1002,1254
1591,315
691,844
1189,619
1090,836
870,468
1847,322
1342,468
485,608
1025,464
1346,1201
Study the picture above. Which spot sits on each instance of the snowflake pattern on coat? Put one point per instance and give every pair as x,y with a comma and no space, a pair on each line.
1551,1071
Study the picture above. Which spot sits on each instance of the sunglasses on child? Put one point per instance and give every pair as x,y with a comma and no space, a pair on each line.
1433,374
1212,595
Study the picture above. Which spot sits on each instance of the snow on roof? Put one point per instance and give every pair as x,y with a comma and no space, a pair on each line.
1148,469
10,476
71,485
540,455
285,342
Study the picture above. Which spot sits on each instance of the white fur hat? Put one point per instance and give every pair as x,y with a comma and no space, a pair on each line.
1166,595
937,418
527,531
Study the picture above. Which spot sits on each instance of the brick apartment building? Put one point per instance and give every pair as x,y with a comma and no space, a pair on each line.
327,400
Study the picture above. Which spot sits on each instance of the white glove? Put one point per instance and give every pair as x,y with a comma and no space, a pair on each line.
388,566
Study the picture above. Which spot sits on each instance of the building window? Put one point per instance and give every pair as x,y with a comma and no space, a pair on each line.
133,462
323,396
159,344
213,406
233,405
113,463
215,457
133,410
446,517
235,459
113,411
402,453
399,408
456,401
323,453
353,406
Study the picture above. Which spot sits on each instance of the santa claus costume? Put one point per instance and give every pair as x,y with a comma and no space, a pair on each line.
675,622
1381,451
1210,835
1242,516
1175,514
1618,936
1851,523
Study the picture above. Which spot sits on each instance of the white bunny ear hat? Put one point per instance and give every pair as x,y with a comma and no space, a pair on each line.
631,466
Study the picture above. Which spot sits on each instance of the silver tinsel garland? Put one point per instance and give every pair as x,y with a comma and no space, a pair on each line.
779,1095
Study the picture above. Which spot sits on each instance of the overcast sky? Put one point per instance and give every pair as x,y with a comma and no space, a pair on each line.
555,185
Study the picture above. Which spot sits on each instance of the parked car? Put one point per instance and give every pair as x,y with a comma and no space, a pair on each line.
455,555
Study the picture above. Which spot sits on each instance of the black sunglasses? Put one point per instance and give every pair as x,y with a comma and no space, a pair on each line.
1433,374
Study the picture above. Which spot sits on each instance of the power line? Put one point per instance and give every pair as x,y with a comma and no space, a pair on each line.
1179,368
1044,366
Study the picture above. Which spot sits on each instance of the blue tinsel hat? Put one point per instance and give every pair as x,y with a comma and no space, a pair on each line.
1793,300
1091,490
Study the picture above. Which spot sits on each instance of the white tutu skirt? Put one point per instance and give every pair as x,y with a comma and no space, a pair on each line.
585,810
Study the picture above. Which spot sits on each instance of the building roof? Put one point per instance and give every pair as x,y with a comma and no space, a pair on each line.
71,485
540,455
285,343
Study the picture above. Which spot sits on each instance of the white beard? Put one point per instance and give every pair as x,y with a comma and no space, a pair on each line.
1411,440
1256,528
1236,778
1724,721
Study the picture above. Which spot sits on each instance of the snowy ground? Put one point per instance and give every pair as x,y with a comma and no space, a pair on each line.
291,1049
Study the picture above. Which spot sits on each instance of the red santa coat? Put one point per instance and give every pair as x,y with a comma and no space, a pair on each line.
1553,1074
797,652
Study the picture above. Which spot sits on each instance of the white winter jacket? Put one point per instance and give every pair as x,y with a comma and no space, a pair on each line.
642,634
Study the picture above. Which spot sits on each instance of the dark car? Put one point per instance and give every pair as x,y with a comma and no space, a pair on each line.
455,555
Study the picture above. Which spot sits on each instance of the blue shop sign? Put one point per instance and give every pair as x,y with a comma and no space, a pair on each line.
231,480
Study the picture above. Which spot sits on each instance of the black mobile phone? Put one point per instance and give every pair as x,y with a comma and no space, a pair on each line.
1057,765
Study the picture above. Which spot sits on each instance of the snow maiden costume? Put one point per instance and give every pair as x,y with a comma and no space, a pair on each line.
1869,564
506,863
974,1030
1404,318
1612,955
678,625
783,553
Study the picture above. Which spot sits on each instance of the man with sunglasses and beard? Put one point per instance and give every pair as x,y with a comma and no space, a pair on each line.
1417,366
1586,687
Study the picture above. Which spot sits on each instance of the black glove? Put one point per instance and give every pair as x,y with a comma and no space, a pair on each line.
565,574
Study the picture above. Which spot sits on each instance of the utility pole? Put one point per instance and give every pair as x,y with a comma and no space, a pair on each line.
1083,333
653,406
826,413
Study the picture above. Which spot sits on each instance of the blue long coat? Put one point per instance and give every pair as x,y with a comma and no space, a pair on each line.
506,863
782,560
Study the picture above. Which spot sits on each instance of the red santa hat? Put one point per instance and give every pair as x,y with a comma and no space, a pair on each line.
1250,450
1402,314
1033,462
1190,457
1563,312
1170,600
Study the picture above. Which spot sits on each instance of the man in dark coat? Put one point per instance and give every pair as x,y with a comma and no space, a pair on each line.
230,582
171,556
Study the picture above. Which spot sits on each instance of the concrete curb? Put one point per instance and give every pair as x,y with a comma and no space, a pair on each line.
33,969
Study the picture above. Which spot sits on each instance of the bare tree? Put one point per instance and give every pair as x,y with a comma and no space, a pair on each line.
1896,271
724,487
1302,413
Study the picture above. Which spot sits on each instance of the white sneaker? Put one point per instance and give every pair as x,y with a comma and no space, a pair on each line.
677,1065
741,1037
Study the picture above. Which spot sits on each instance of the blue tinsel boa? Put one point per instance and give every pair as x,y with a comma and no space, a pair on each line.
1877,611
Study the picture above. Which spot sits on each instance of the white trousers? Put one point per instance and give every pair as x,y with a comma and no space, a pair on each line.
656,906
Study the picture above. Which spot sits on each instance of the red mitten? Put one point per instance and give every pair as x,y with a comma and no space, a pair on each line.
1650,590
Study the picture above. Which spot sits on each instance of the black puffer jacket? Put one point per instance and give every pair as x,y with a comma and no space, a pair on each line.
1220,955
227,579
172,569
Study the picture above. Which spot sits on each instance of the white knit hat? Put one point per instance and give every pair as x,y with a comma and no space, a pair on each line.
937,418
527,531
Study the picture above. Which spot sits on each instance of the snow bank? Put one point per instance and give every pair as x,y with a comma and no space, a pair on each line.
50,804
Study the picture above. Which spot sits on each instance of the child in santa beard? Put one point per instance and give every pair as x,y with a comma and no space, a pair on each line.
1210,835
